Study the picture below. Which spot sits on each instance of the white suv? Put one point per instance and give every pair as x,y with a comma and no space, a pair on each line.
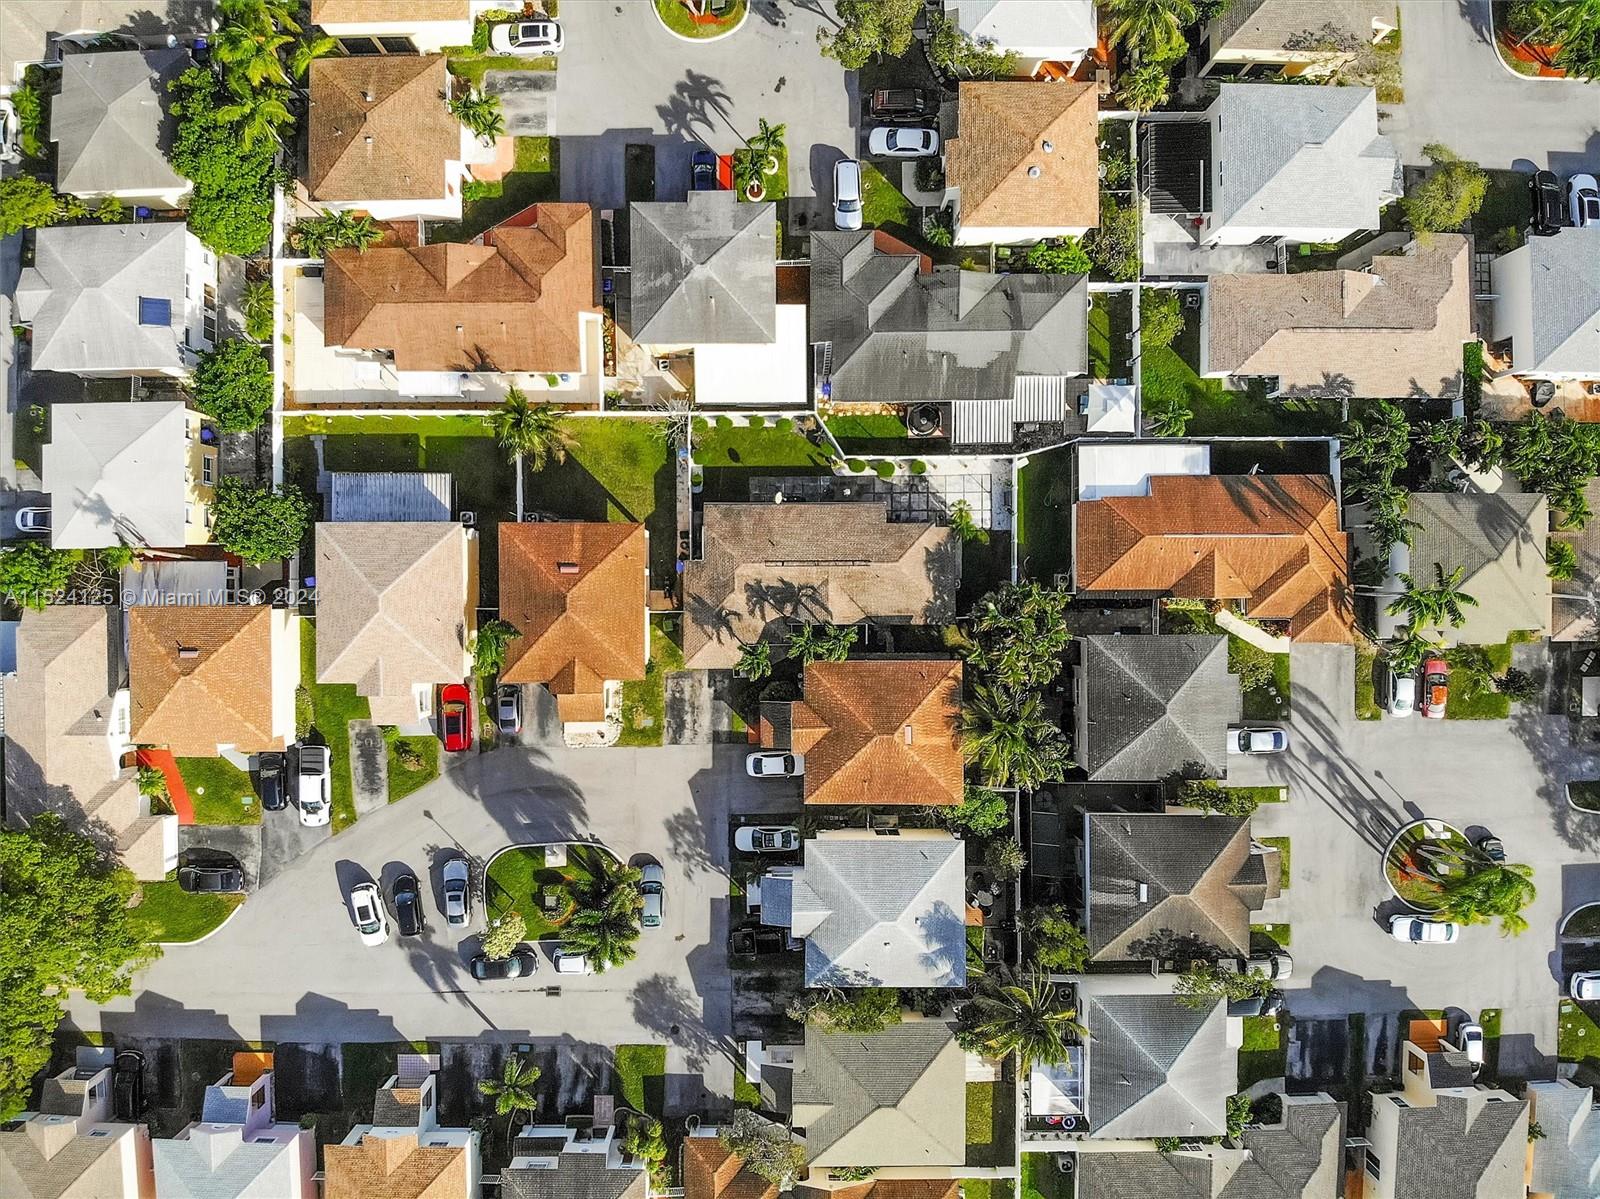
312,785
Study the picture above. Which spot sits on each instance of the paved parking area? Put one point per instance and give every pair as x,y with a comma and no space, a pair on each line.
1352,784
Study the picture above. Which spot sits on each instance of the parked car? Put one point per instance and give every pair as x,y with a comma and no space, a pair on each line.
1402,695
1435,688
757,942
33,520
538,38
847,195
1583,201
127,1085
211,880
457,892
901,103
455,717
407,898
1585,985
269,782
1492,848
1549,213
653,886
366,909
703,170
766,838
508,710
572,963
1469,1039
1269,1004
1258,739
1275,965
313,789
1419,931
772,763
902,141
10,133
522,962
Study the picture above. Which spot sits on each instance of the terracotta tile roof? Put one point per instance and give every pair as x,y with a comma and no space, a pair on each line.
1002,130
394,1168
221,693
887,1188
1272,541
372,12
1394,331
379,128
512,306
576,592
881,732
712,1171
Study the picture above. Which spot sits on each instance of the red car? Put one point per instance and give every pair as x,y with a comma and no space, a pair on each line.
455,717
1435,687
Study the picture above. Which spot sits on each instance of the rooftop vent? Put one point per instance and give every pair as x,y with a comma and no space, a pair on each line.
567,568
1048,146
369,139
369,97
907,733
1033,171
1144,892
188,651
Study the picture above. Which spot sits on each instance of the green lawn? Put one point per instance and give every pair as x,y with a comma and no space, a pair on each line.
1480,702
519,879
1110,318
644,701
220,792
1260,795
403,779
1044,514
1367,707
676,17
1507,205
1261,703
167,913
472,66
1279,934
882,433
882,203
989,1119
1577,1034
776,185
642,1077
745,445
333,707
1041,1179
535,178
1489,1018
1265,1052
1282,846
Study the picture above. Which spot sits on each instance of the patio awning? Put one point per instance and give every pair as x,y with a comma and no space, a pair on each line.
1175,166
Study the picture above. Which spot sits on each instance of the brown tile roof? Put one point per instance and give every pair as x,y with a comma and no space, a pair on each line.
512,306
887,1188
221,694
1390,333
394,1168
880,732
379,128
763,565
712,1171
372,12
1272,541
576,592
1002,130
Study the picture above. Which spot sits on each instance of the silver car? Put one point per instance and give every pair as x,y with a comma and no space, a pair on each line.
457,893
902,141
653,886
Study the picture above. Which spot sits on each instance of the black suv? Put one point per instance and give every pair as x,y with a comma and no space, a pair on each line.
1549,211
892,104
407,905
269,782
211,879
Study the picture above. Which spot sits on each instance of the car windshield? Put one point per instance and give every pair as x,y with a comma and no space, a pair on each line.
849,206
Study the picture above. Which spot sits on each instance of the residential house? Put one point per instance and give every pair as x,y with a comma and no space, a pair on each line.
713,1171
762,566
381,138
130,474
580,1159
876,911
1566,1160
1292,38
874,731
1546,307
1149,708
1153,875
111,128
208,677
1269,543
1024,161
397,610
894,1100
112,300
1298,1157
71,1147
236,1150
404,1153
68,738
990,350
1497,541
1051,38
1442,1129
397,26
1392,331
577,593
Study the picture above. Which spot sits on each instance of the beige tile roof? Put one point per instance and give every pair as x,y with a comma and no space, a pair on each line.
1390,333
393,609
712,1171
372,12
379,128
394,1168
1002,130
51,1161
510,306
202,676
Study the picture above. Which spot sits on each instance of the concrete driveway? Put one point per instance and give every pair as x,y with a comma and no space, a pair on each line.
674,95
289,966
1352,784
1459,93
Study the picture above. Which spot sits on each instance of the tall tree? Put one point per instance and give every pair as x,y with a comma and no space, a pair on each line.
513,1091
231,206
1149,30
259,524
258,115
1448,195
1200,987
1493,891
31,573
1435,606
766,1148
307,50
532,431
870,27
1030,1018
233,385
1008,736
755,661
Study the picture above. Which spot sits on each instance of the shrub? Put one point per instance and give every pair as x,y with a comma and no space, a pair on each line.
919,467
884,469
936,228
724,422
152,783
1213,798
1057,943
1448,195
1560,558
868,1010
315,236
1060,256
489,647
930,175
504,935
785,424
259,524
1114,246
981,812
1005,858
856,465
28,101
109,211
258,307
233,385
1160,319
26,203
966,528
756,422
1518,685
474,190
32,574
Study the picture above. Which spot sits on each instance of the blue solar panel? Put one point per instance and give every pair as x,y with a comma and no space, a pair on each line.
154,312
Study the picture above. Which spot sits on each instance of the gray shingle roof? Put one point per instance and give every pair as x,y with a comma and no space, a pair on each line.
1156,705
703,271
901,335
1271,24
109,122
1566,1162
396,1107
1500,540
1464,1147
116,474
1157,1068
223,1164
577,1176
1564,302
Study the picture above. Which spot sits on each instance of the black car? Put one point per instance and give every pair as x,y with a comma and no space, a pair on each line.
703,170
1549,210
756,942
522,962
211,879
1492,848
269,782
407,898
891,104
128,1085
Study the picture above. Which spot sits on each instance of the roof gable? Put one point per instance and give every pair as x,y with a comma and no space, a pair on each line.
379,128
1026,157
201,676
703,271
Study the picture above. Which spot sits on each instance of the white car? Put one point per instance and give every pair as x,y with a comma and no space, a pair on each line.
366,909
902,141
313,786
1402,695
1469,1038
457,893
847,195
10,133
1583,200
1417,931
653,887
774,764
572,963
1259,739
33,520
1276,965
542,38
766,838
1585,985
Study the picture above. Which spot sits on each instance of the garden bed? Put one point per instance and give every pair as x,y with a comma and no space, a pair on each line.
776,184
1584,795
675,15
1404,872
519,881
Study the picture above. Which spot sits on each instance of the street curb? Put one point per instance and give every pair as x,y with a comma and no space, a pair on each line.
699,41
1395,840
1499,55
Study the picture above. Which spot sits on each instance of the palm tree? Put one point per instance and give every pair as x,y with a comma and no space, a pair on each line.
315,236
1169,418
1148,29
261,13
480,113
805,644
1011,740
1030,1018
1493,891
1430,607
258,116
605,938
767,144
1410,651
248,51
307,50
513,1091
755,661
531,431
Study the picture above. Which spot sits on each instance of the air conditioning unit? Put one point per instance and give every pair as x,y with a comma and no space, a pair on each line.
1191,299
